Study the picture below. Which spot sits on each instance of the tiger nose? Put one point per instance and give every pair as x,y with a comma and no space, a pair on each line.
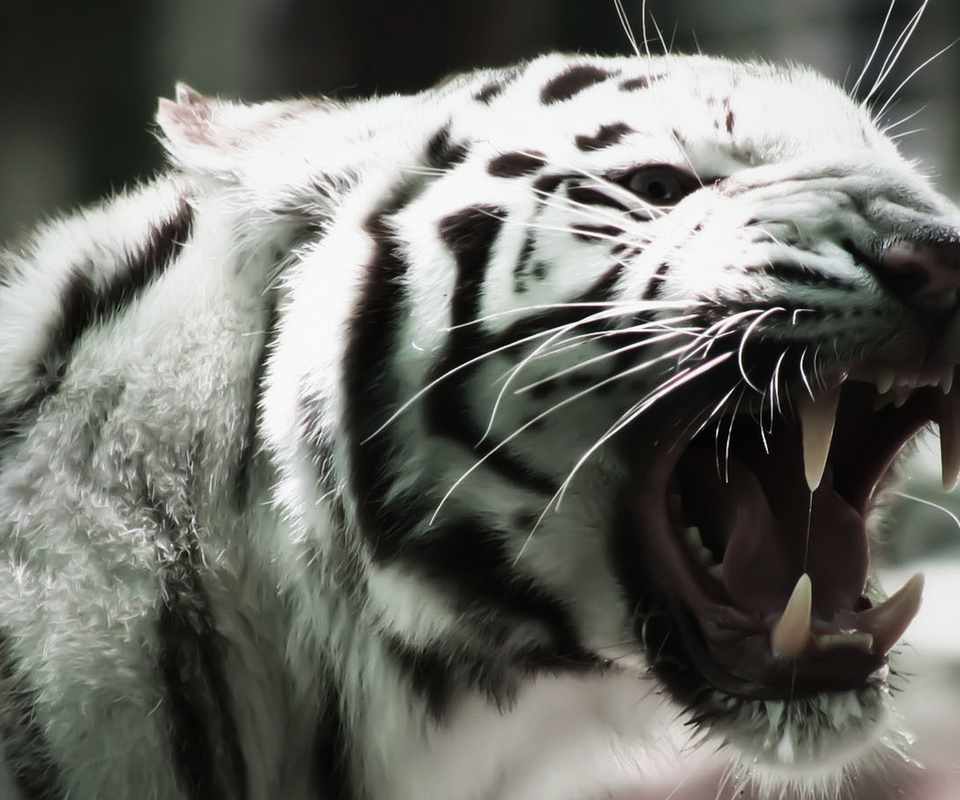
924,275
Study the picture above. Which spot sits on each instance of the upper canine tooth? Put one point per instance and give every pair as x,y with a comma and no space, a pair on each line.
817,417
949,420
888,621
790,635
946,382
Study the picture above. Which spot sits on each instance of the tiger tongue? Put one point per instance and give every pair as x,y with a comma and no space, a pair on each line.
761,518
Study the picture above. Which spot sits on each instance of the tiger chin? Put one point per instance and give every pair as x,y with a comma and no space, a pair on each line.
450,446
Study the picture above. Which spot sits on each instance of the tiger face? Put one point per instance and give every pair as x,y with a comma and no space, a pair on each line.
603,365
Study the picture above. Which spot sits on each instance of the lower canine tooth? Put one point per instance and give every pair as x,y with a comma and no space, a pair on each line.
790,635
888,621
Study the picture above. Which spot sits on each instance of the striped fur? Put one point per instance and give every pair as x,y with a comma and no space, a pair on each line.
306,487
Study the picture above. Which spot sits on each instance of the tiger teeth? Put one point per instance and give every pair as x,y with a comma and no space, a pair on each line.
817,418
887,622
884,380
702,554
949,422
790,635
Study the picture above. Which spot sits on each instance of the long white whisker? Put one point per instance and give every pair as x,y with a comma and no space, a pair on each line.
646,342
449,373
897,50
634,306
910,77
627,29
593,387
876,47
561,404
635,411
538,351
743,342
930,503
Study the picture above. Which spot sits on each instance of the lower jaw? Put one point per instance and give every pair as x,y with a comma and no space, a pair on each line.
821,738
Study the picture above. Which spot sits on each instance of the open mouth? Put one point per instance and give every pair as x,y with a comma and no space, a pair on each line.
755,530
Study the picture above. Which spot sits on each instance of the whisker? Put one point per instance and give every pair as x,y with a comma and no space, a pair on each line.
743,342
896,51
656,339
675,382
910,77
627,29
931,504
538,351
876,47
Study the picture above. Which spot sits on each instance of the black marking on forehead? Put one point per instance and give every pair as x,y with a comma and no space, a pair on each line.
572,82
605,136
640,82
442,153
516,165
488,92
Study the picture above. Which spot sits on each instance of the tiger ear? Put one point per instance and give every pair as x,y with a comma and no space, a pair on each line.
212,135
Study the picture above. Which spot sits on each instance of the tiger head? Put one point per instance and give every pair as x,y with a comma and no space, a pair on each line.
604,364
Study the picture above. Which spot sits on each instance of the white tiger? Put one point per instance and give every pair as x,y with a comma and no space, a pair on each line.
448,446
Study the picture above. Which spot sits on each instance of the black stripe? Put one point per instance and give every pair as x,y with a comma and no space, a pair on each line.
83,304
516,165
655,284
470,559
442,153
601,291
332,765
547,184
571,82
371,386
520,269
248,447
606,136
790,272
490,91
596,233
203,737
641,82
25,748
470,235
590,196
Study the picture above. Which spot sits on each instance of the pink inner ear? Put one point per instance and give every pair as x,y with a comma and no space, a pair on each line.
189,97
190,124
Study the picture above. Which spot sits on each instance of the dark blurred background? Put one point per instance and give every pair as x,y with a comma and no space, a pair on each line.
80,78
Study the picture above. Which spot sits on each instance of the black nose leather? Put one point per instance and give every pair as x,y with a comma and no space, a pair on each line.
924,276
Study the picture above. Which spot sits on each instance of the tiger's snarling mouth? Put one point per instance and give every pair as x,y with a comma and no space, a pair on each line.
756,531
